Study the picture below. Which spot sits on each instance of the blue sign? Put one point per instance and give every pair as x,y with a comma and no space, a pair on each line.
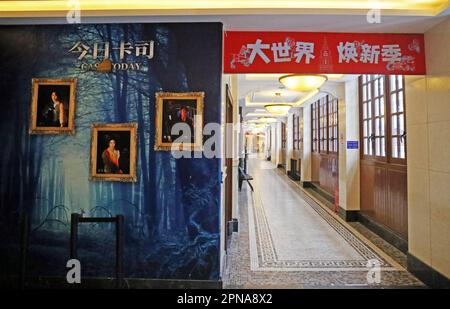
352,144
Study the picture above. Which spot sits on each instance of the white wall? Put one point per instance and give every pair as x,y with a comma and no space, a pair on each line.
428,148
349,179
274,146
225,80
237,142
305,170
231,80
289,138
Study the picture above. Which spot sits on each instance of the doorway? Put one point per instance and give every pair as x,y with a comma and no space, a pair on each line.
384,199
228,166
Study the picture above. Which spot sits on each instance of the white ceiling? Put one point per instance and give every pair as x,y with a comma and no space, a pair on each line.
257,90
315,22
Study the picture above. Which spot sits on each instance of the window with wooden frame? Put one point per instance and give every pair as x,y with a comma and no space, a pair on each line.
283,135
296,132
315,126
323,125
332,125
397,117
382,117
300,133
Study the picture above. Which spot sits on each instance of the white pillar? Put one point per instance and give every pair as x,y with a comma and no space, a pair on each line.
306,157
349,186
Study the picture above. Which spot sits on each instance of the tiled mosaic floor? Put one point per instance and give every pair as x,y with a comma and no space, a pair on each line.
255,261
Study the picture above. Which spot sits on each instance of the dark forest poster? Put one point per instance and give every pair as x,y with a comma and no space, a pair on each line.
171,212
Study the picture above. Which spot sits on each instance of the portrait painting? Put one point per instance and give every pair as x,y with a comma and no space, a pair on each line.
184,109
53,105
113,152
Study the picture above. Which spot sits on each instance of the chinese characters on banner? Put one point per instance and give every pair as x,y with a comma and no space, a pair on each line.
101,51
309,52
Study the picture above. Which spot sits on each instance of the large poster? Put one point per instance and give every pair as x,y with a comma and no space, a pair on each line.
172,210
318,52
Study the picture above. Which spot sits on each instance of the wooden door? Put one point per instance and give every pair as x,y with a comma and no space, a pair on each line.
228,165
383,152
324,130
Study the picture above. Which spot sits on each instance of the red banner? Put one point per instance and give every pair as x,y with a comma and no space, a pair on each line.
316,52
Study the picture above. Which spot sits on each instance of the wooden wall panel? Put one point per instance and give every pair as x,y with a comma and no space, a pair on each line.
398,201
324,172
315,168
384,196
367,184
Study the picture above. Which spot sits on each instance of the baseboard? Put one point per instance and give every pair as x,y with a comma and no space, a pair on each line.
110,283
427,274
322,192
293,176
348,215
384,233
235,225
305,184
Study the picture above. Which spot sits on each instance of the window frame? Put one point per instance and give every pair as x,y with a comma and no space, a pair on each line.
371,117
399,114
325,125
315,133
333,125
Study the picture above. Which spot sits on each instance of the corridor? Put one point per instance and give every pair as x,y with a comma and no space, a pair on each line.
287,239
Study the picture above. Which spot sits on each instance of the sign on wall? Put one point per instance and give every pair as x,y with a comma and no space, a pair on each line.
125,56
320,52
352,144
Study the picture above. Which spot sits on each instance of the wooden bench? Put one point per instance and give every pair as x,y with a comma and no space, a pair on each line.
243,176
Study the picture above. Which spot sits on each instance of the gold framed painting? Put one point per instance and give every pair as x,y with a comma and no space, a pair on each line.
53,105
113,152
184,109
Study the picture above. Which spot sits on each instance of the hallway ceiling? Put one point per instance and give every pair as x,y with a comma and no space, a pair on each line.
227,7
397,16
257,90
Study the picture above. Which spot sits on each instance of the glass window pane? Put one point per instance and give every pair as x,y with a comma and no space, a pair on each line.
383,150
377,107
394,147
377,147
382,106
401,124
400,101
393,103
377,126
400,81
382,126
369,91
402,153
376,87
394,125
392,82
382,85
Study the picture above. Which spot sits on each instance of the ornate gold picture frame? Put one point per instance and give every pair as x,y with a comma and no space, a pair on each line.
52,105
184,108
113,152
